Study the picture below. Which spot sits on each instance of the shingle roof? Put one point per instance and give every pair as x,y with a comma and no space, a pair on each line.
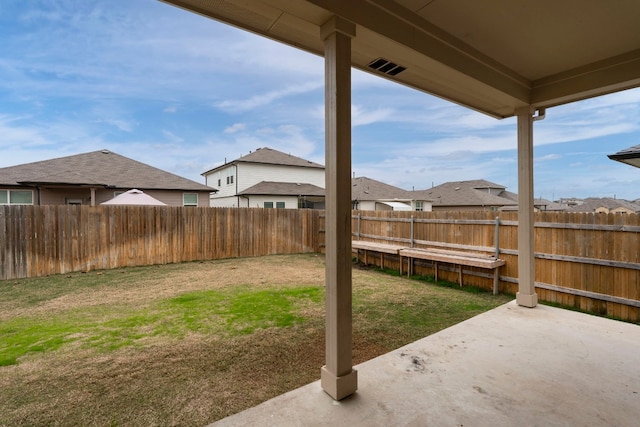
100,168
630,156
592,203
469,193
364,188
283,189
270,156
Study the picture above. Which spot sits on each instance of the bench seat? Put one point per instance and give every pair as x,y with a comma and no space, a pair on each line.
460,258
383,248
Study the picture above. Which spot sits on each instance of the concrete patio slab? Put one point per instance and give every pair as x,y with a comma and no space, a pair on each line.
512,366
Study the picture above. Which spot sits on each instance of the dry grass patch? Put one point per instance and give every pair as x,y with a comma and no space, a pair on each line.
188,344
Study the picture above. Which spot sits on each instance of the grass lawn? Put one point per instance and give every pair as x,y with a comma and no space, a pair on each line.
188,344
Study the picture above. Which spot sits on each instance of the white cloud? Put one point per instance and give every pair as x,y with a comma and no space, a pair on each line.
236,127
361,117
548,157
261,100
171,137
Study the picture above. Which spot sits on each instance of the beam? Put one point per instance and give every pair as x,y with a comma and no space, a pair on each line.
599,78
526,295
338,378
396,23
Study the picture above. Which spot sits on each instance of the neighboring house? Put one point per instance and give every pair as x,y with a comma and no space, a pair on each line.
630,156
284,195
267,178
469,195
370,195
93,178
570,201
606,205
545,205
539,205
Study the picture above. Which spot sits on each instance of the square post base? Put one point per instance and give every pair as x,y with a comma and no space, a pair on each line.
339,387
527,300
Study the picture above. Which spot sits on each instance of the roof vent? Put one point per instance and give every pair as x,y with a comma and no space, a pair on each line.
385,66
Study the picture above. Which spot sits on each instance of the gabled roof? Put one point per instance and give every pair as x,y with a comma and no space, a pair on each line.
592,203
364,188
469,193
630,156
102,168
282,189
269,156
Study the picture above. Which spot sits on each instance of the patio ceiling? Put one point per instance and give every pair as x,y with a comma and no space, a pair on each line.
494,56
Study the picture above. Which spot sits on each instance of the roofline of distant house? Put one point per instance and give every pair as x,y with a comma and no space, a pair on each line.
233,162
105,186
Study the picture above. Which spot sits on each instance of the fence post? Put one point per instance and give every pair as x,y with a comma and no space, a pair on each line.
497,236
496,278
411,231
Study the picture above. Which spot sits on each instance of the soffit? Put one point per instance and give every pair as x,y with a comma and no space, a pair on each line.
494,56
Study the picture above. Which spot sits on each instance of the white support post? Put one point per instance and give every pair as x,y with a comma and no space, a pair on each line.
338,378
526,295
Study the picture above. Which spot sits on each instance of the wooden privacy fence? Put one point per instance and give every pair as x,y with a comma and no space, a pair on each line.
43,240
587,260
590,261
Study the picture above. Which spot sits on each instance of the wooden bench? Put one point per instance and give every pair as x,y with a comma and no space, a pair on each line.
382,248
459,258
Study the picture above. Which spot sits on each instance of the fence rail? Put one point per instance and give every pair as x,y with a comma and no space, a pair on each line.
590,261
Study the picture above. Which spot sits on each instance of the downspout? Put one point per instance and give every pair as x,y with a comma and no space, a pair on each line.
239,197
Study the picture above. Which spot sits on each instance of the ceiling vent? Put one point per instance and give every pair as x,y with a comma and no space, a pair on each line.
385,66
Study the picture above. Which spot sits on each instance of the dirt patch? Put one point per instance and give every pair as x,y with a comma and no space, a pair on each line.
165,281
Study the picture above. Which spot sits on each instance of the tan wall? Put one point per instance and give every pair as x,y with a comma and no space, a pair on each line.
60,196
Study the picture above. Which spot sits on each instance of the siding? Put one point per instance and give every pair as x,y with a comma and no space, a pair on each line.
60,196
250,174
291,202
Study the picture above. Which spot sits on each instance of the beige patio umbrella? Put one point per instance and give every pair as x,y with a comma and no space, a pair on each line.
134,197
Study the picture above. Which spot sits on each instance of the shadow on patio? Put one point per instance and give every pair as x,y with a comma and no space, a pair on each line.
510,366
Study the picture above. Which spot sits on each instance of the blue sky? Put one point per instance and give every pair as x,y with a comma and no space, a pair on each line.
182,93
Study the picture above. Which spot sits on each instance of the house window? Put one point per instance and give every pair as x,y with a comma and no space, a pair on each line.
304,203
219,182
16,197
189,199
75,202
229,176
268,204
280,205
419,207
